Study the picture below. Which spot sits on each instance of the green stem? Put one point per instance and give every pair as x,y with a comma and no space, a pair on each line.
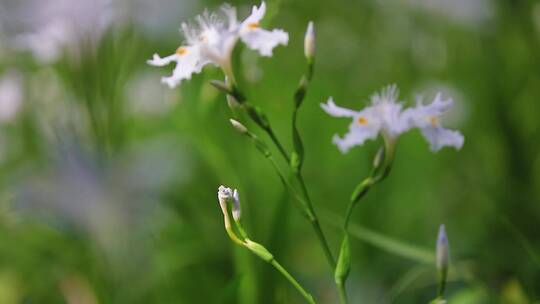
361,192
342,293
313,216
322,240
315,223
309,298
278,144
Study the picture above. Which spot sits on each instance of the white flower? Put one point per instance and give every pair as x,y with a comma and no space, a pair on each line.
213,40
428,119
382,116
260,39
385,116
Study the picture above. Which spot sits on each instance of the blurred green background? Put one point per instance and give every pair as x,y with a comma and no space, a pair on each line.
109,179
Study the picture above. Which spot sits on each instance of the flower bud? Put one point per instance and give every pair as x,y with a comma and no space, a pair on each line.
442,250
309,42
224,194
238,126
236,209
442,255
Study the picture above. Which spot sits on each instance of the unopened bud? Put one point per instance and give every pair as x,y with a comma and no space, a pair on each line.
224,194
309,42
238,126
442,255
442,250
236,209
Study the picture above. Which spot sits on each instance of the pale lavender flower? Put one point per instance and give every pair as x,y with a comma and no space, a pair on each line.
386,116
428,119
382,116
212,40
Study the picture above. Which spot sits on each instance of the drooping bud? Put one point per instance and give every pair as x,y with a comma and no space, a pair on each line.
238,126
224,195
310,43
236,209
443,256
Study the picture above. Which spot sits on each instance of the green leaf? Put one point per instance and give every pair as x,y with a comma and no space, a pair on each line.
383,242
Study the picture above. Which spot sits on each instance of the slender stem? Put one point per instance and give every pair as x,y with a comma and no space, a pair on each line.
278,144
355,200
302,203
309,298
313,216
342,292
315,223
322,240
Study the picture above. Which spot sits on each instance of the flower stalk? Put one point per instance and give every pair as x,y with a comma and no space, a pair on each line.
229,202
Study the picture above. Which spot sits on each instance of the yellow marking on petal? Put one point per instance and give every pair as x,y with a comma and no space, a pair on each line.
362,120
181,51
433,120
253,25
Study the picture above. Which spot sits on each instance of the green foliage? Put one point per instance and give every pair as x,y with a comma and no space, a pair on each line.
145,226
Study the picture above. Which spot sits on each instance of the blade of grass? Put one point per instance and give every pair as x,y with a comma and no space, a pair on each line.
388,244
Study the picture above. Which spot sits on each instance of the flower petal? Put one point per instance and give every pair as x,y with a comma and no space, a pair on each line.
187,63
439,137
159,62
356,136
264,41
257,13
332,109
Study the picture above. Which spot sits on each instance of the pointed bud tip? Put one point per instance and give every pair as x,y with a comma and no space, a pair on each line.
442,239
309,42
238,126
442,249
236,209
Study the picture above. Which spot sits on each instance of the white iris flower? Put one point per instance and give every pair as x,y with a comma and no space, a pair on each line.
386,116
382,116
212,41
